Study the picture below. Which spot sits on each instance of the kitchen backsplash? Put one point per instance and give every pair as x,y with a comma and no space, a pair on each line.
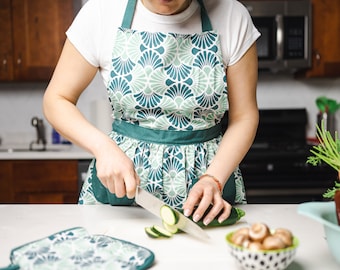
20,102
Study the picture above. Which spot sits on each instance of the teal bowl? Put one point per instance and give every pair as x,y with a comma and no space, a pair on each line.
324,212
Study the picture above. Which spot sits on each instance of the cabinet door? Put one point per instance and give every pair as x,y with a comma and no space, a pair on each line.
6,190
38,36
6,45
326,39
45,181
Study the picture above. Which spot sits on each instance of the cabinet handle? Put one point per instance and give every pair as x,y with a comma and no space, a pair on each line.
4,62
19,61
317,57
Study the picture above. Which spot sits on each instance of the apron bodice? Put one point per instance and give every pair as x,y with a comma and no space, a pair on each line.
167,81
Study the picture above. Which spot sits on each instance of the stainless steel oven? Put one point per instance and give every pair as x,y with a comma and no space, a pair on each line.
275,169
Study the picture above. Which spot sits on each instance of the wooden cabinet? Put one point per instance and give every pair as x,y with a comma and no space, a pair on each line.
6,46
32,36
326,39
39,181
6,192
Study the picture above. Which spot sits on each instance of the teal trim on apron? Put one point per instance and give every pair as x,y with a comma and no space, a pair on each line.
131,6
170,137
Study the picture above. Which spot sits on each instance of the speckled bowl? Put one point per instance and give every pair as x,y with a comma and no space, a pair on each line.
263,260
324,212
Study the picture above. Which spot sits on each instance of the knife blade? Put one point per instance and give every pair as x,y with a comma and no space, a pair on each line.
153,205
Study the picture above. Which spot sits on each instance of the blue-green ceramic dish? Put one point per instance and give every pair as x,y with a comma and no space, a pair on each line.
324,212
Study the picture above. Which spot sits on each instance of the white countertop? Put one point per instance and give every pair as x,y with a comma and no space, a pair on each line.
24,223
53,152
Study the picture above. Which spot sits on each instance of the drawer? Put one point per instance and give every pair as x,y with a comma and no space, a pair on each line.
45,176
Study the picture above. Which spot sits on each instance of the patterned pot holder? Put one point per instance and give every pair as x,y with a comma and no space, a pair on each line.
75,249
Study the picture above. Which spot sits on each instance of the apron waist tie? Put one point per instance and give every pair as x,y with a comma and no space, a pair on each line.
173,137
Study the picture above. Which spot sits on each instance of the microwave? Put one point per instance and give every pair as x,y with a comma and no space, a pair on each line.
286,33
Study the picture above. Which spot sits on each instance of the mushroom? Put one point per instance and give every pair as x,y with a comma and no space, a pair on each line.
244,230
273,242
255,246
258,231
240,239
285,235
246,243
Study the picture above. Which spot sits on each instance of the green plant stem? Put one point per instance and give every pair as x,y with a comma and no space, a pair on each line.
330,193
327,151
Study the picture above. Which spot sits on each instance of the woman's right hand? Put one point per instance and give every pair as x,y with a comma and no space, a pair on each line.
116,171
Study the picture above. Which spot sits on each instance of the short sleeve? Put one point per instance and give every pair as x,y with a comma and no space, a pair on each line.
243,33
85,32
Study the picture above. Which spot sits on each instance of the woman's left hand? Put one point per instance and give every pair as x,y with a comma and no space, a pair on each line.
203,194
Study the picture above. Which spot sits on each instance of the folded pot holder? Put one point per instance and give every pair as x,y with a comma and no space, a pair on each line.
76,249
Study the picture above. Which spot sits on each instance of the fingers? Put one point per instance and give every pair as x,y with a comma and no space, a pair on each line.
203,197
197,203
214,211
192,201
131,185
220,210
121,182
119,187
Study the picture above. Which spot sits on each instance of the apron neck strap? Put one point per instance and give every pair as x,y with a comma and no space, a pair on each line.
206,24
130,11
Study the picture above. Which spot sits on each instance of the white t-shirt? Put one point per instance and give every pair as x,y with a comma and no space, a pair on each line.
94,29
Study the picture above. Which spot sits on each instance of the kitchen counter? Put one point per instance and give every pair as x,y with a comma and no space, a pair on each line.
24,223
53,152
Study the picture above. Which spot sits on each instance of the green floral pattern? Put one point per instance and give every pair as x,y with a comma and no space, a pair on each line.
167,82
76,249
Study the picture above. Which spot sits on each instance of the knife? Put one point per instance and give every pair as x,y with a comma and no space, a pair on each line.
153,205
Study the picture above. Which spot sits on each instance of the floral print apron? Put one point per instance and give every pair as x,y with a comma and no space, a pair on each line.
168,95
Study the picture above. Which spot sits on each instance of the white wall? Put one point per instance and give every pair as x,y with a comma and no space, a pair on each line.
20,102
282,91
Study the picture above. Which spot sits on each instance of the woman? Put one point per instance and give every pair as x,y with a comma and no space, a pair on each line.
171,68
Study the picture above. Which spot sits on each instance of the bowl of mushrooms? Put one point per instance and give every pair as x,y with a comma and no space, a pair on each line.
258,247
